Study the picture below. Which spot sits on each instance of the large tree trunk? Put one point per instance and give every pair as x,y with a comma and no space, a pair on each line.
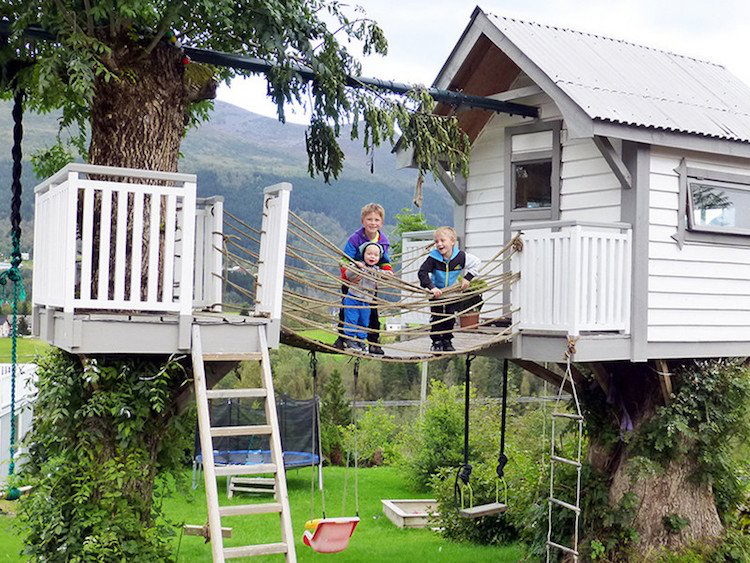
663,494
138,121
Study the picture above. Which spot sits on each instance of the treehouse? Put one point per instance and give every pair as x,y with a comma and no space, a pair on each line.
629,189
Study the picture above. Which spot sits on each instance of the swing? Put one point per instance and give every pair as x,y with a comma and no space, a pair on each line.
464,473
329,535
17,293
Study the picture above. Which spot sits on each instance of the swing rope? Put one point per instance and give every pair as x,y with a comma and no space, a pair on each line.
464,473
13,275
316,443
356,449
502,459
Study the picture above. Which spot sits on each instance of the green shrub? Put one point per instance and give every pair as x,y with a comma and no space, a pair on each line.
374,435
493,530
102,430
436,440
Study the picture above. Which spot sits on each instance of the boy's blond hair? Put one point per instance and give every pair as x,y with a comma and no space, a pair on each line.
372,208
450,231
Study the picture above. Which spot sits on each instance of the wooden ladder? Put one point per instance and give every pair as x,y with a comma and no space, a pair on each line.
211,471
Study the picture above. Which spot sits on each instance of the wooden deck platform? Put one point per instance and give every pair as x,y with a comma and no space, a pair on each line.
229,335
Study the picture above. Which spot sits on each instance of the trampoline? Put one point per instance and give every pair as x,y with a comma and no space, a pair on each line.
296,418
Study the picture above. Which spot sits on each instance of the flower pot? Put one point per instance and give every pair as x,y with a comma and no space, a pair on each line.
469,320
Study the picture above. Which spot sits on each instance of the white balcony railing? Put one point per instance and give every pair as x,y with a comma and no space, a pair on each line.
574,277
111,239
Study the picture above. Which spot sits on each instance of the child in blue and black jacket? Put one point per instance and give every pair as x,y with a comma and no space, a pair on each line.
442,268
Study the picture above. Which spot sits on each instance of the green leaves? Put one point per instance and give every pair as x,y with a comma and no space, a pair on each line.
106,41
102,429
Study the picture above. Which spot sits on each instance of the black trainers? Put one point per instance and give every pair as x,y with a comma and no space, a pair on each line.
354,346
376,350
437,346
339,344
448,346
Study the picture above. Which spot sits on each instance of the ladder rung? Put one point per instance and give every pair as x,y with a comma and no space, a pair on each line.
568,415
250,550
236,393
193,530
565,460
243,509
255,430
232,357
565,505
562,547
255,469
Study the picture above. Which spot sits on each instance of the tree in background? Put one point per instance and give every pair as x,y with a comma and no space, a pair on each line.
407,221
335,413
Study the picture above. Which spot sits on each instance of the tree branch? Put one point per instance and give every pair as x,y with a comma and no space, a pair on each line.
69,17
163,26
89,18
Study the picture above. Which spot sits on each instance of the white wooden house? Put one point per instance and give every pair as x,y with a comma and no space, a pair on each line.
631,190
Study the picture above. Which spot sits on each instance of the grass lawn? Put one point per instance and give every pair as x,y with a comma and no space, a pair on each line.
28,349
375,539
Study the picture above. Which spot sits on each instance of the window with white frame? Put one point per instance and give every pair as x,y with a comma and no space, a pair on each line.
533,170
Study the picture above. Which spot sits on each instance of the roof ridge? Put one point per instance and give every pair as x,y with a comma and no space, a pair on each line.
589,34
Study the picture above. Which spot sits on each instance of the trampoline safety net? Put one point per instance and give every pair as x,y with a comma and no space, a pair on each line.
296,421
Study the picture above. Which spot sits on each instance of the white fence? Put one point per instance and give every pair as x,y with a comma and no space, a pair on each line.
111,239
413,248
25,395
574,277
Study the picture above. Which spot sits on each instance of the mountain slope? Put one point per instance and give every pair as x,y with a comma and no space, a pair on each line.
238,153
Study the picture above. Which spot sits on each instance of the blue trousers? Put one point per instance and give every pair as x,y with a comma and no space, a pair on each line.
358,317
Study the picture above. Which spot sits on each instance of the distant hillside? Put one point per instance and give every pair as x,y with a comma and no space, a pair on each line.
238,153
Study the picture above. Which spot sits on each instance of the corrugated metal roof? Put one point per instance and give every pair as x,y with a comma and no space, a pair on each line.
621,82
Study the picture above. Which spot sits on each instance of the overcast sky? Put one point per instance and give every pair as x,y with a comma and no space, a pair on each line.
422,33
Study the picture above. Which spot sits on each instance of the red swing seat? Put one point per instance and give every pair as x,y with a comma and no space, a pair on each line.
329,535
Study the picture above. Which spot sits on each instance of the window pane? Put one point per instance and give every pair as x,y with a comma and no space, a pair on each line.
719,206
533,184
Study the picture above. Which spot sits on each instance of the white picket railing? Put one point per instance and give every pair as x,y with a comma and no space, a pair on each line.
272,254
209,229
96,245
574,277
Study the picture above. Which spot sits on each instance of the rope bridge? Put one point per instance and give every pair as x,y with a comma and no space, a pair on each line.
313,294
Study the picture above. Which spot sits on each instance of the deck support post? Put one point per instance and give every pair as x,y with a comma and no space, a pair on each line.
183,333
665,380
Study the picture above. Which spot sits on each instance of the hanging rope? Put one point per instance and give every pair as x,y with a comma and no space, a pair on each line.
464,473
16,292
502,459
316,443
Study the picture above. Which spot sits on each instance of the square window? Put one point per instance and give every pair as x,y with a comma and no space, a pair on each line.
719,206
532,181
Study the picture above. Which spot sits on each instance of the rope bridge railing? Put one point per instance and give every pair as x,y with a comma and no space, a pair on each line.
314,290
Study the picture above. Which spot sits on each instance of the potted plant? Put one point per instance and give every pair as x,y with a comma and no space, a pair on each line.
470,307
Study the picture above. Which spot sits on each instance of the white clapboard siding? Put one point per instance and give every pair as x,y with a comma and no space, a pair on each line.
700,292
589,191
485,197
